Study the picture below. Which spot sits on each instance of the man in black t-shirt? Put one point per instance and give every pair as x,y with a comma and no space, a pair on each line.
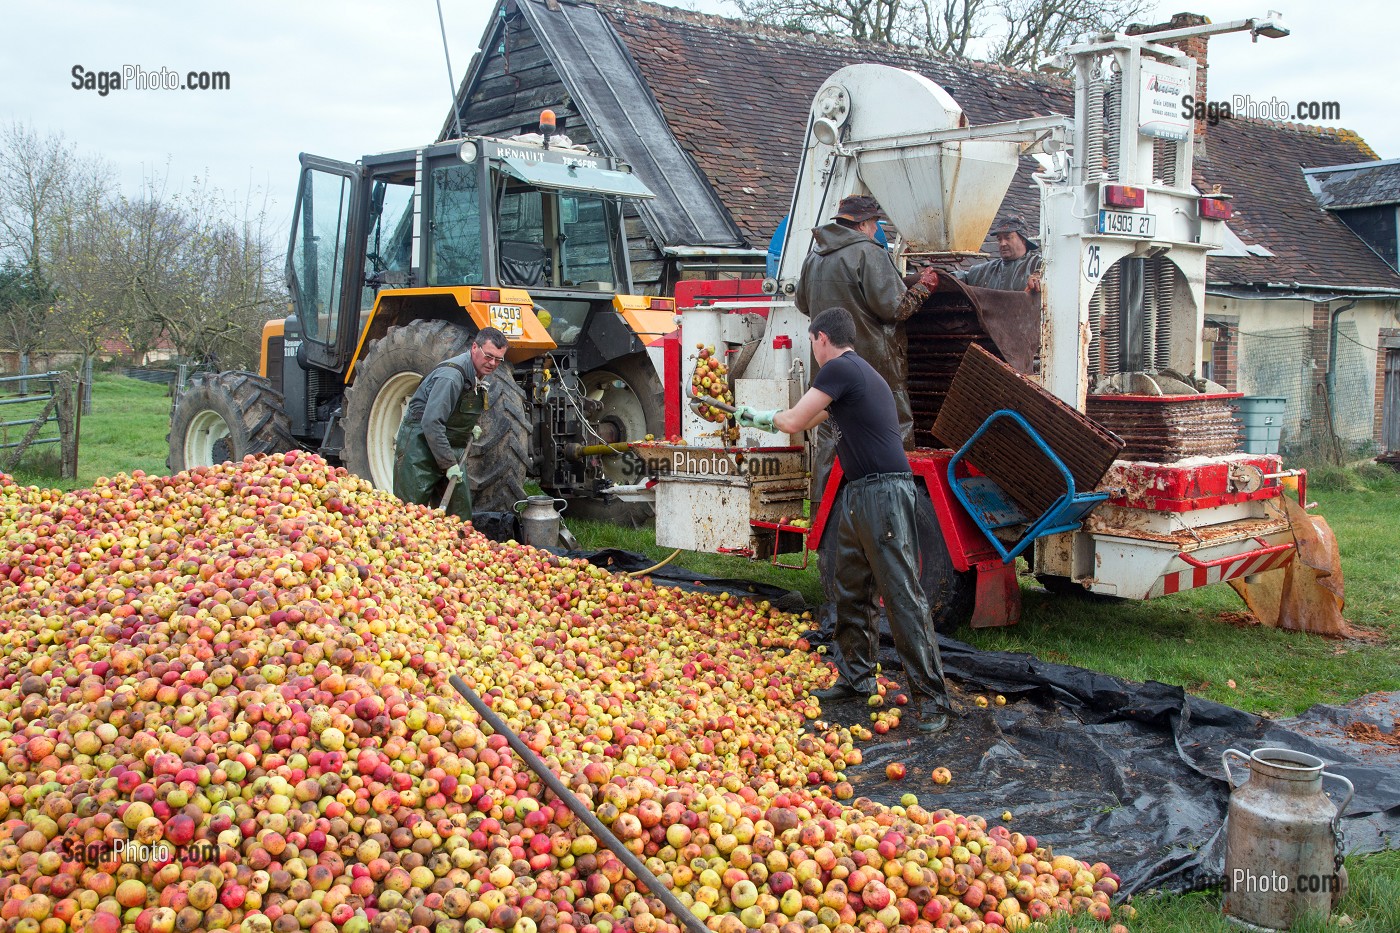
874,542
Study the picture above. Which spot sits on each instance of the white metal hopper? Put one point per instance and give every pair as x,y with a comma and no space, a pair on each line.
940,195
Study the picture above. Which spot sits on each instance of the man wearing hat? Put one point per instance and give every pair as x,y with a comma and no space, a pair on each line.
1018,266
848,269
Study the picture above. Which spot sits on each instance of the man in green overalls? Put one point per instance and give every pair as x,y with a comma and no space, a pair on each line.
440,422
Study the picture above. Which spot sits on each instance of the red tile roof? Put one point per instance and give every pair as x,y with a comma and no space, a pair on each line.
1261,163
737,96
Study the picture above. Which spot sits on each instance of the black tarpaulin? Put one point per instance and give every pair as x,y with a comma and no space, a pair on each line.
1143,787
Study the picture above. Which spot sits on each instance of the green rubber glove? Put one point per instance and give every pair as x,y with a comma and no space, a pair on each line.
476,433
455,472
755,418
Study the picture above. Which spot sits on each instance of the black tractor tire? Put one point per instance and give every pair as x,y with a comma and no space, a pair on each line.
646,415
949,594
221,417
385,379
499,458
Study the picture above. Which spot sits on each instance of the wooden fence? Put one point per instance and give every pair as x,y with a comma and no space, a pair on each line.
54,390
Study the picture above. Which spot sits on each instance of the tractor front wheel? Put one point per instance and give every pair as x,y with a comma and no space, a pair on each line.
226,416
632,408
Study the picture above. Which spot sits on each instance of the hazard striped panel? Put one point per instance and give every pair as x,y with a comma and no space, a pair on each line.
1248,563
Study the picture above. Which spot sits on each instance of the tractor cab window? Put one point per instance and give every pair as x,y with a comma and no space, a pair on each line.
557,239
389,237
524,254
587,228
454,227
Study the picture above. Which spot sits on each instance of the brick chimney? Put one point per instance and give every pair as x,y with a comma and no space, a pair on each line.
1195,46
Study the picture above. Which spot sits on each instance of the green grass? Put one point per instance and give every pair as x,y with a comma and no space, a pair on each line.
1371,905
1199,639
1186,639
1196,640
592,535
125,432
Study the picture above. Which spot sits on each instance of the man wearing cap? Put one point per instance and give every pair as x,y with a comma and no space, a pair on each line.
1018,266
847,268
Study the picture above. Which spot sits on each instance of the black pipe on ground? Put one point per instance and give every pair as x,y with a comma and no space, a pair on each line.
570,800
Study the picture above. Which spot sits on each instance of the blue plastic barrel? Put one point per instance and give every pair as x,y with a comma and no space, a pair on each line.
1261,417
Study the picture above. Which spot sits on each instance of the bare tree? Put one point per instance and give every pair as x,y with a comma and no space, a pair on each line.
81,263
1021,32
43,184
1036,29
875,20
195,269
35,172
86,269
26,310
949,27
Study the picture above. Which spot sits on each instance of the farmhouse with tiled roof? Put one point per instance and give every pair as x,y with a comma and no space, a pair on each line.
712,113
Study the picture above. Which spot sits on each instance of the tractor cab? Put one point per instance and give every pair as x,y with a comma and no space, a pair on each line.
396,261
473,212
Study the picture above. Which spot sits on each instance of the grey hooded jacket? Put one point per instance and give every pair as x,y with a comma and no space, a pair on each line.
847,269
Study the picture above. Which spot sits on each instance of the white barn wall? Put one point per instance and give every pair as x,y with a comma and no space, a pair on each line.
1279,354
1273,353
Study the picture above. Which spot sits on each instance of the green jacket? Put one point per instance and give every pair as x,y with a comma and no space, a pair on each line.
444,411
1006,274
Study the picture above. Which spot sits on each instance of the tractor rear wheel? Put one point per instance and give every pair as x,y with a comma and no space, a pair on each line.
226,416
386,378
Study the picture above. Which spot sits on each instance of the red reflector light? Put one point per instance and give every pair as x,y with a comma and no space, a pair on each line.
662,304
1124,196
486,294
1216,209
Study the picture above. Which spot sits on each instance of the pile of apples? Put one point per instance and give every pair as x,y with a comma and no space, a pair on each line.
711,380
224,705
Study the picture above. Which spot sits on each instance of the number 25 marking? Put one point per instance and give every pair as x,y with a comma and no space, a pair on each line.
1093,263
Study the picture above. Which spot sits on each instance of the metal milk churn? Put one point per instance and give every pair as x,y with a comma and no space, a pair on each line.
1282,841
539,520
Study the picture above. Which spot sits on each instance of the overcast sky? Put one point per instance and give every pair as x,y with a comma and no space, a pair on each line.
350,77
